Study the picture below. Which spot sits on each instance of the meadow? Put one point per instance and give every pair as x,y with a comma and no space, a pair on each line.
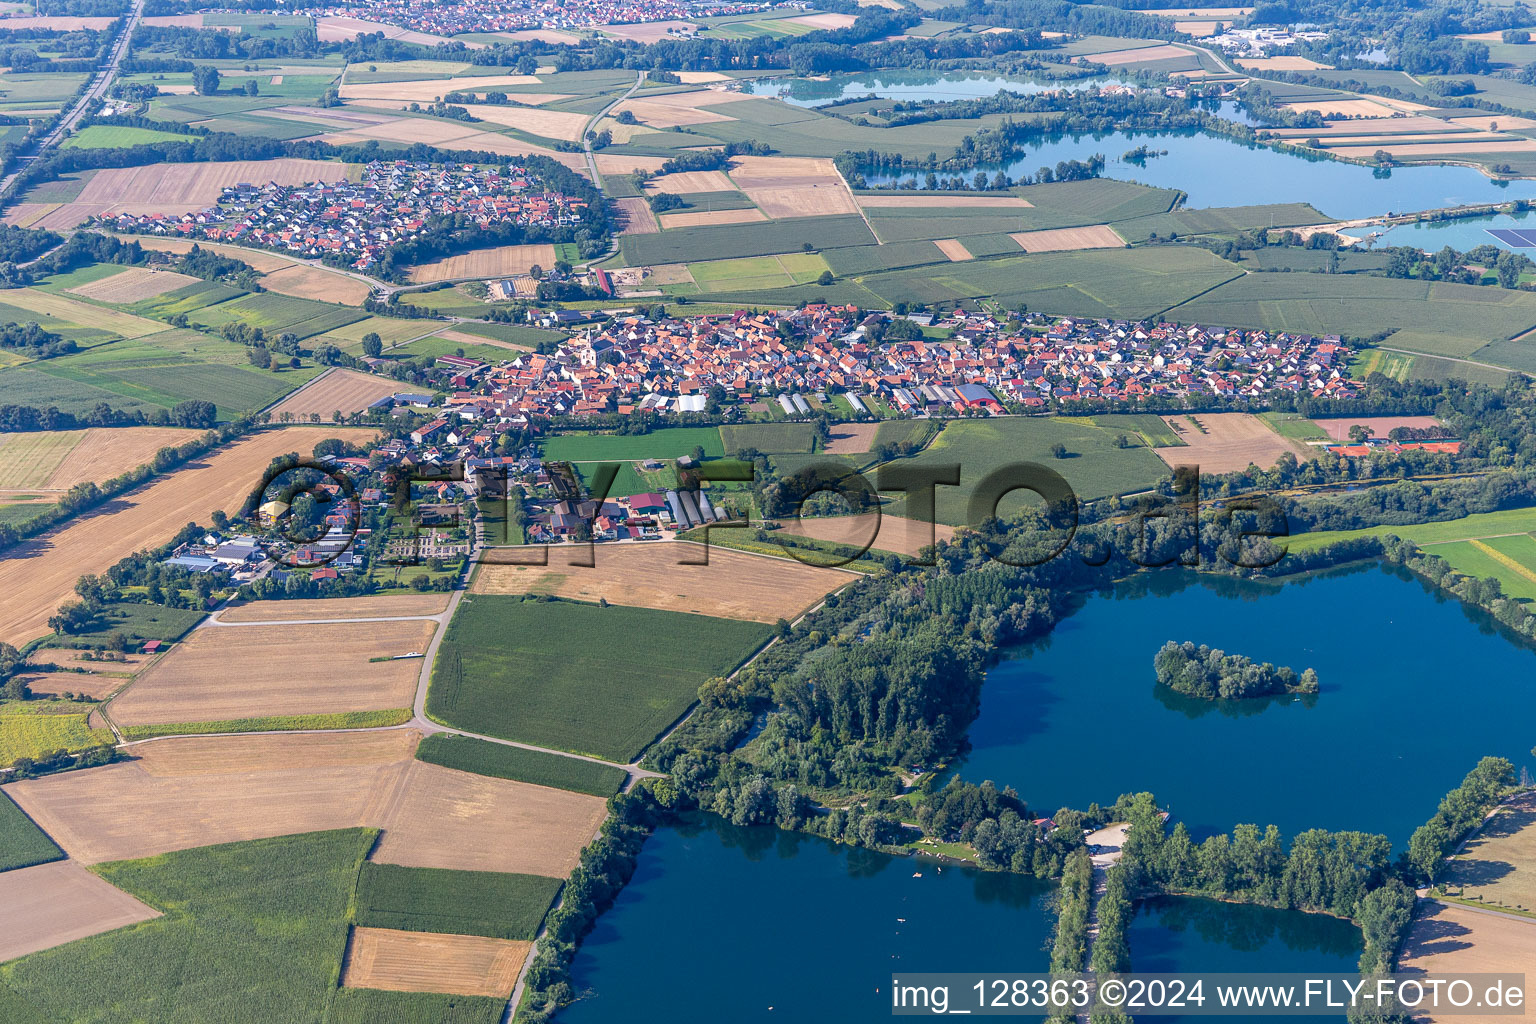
22,844
1474,527
579,677
730,241
102,136
769,437
495,904
207,958
1094,466
481,757
664,444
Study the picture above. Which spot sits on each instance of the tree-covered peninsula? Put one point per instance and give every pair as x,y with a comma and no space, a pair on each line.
1216,675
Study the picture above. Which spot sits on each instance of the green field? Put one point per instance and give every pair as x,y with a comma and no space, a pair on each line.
481,757
22,843
103,136
372,1006
277,314
1294,426
187,300
1482,525
769,437
1153,430
579,677
136,621
252,933
1094,467
1219,220
274,723
664,444
865,259
752,273
730,241
490,903
512,333
1510,560
37,727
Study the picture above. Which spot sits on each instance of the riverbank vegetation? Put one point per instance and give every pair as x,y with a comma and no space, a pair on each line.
1215,675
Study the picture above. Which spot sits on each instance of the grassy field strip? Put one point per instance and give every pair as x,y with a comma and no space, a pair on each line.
1503,559
1479,526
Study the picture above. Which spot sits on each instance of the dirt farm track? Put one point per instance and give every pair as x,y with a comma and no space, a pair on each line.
38,575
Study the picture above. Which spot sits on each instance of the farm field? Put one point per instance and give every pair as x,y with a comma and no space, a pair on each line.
892,533
1294,425
732,241
302,281
1380,426
22,844
852,438
529,671
101,136
664,444
1517,521
40,573
534,767
490,903
297,888
1447,939
391,606
57,460
424,962
657,575
336,390
779,437
133,284
1510,560
323,669
370,1006
1227,442
1094,466
73,311
1497,867
279,313
503,261
34,728
51,904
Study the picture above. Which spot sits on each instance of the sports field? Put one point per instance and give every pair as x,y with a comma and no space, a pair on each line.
570,676
658,576
283,670
40,574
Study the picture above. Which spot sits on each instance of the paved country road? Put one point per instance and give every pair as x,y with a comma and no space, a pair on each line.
105,76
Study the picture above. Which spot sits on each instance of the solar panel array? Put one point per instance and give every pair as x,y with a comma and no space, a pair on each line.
1520,238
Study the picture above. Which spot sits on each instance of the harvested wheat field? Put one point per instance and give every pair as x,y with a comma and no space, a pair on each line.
1342,108
1280,64
430,89
38,574
51,904
954,249
1497,865
637,217
825,20
464,965
613,163
1114,58
550,124
1228,443
1439,149
181,188
196,791
1449,939
854,438
502,261
73,658
134,285
57,684
443,818
701,77
650,31
1096,236
824,199
705,218
750,172
1357,126
306,282
892,533
58,460
336,389
388,606
673,110
223,673
1496,122
945,202
339,29
82,313
734,585
684,183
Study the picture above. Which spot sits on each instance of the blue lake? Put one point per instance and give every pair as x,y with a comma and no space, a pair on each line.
914,86
1415,689
1463,234
780,926
1218,171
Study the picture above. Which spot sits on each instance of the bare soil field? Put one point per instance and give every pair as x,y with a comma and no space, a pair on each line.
502,261
894,533
195,791
388,606
704,218
56,684
338,388
734,585
51,904
57,460
465,965
428,90
1338,427
954,249
181,188
685,182
222,673
1448,939
638,217
825,20
133,285
306,282
1498,865
443,818
551,124
1230,442
37,575
1346,108
854,438
945,202
1096,236
649,32
1280,64
1145,53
